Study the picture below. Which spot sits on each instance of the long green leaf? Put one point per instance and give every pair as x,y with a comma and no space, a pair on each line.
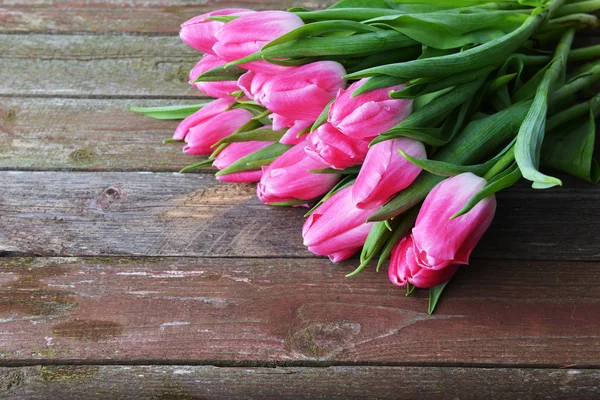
168,112
361,44
407,222
449,30
531,134
420,89
438,109
258,135
571,149
255,160
490,53
319,29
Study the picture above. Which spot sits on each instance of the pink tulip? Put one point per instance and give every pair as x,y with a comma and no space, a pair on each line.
209,125
200,33
288,179
439,241
335,149
215,89
404,268
386,172
205,113
337,229
301,93
251,83
233,153
295,127
369,114
249,33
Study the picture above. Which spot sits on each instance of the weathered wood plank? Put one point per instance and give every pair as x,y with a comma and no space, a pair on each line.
287,311
164,214
186,382
52,65
80,134
133,16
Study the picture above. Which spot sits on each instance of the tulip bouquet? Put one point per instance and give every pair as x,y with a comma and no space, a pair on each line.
394,121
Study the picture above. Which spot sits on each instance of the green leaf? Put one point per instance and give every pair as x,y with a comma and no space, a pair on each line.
383,4
410,8
378,237
249,106
290,203
322,117
407,222
410,289
252,161
435,295
173,141
377,82
419,89
255,135
531,134
356,45
490,53
168,112
201,164
449,30
441,168
571,149
344,183
439,108
347,171
221,73
320,28
387,57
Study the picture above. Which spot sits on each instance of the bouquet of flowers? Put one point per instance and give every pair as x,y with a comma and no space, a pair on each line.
395,121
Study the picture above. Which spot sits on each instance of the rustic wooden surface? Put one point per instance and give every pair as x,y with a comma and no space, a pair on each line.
121,279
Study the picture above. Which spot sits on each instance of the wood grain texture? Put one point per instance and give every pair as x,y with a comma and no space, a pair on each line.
186,382
132,16
166,214
90,135
83,66
282,311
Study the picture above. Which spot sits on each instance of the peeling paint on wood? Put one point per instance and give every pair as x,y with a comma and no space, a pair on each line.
353,383
301,311
87,135
164,214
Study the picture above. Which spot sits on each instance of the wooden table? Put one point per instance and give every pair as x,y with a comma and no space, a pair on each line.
122,279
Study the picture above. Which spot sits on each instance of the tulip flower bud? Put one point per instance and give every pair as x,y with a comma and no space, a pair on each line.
251,83
337,229
386,172
234,152
200,33
438,240
301,93
248,34
404,268
215,89
369,114
335,149
209,125
287,178
296,126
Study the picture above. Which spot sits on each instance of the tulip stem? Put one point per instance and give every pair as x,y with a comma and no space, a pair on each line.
506,161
